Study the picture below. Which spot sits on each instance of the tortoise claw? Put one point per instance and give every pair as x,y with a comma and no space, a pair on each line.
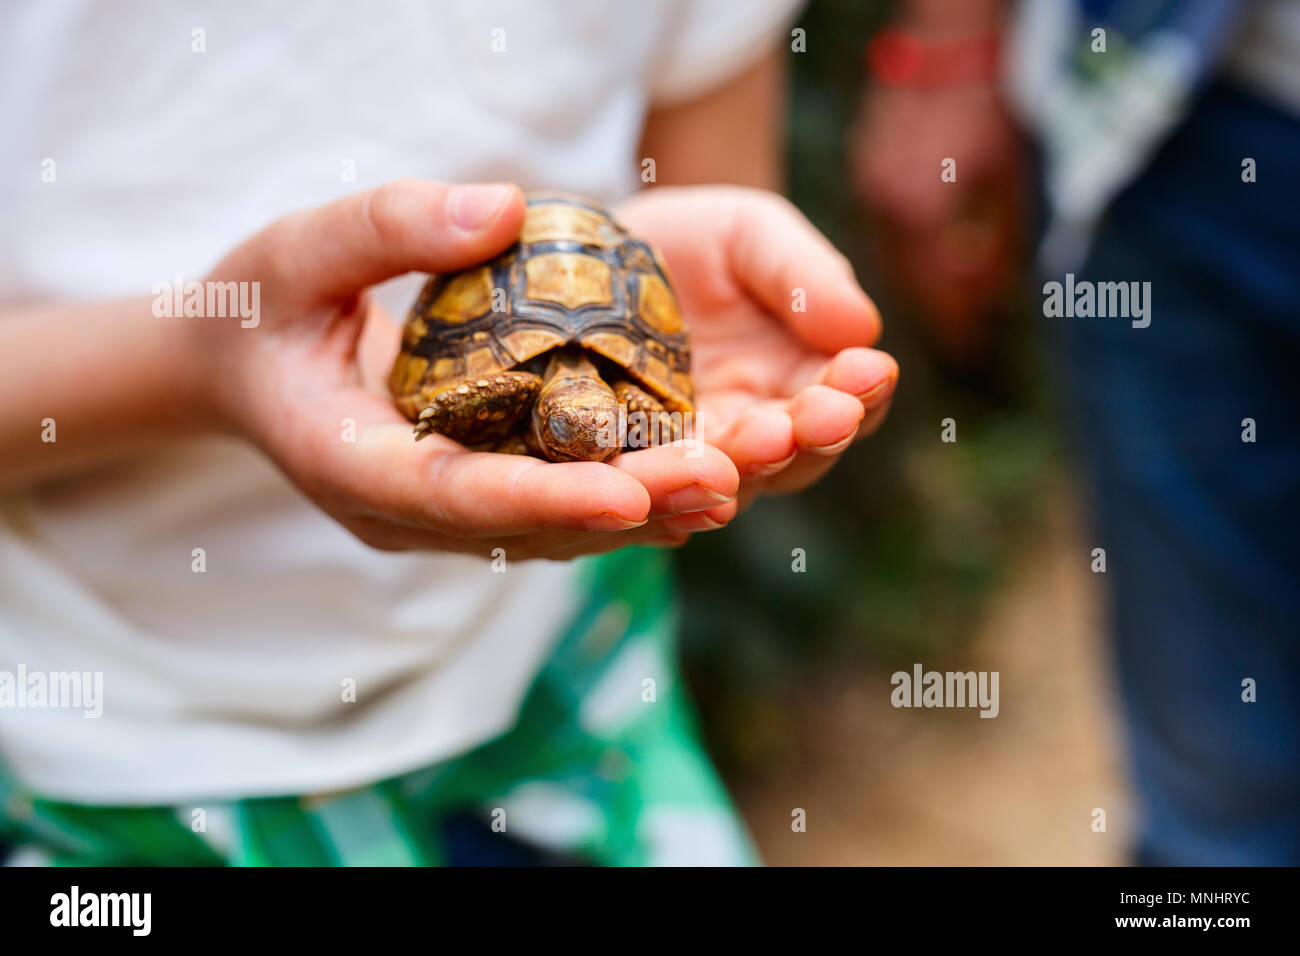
478,410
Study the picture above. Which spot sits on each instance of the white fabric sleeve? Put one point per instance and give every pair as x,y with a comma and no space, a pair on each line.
709,41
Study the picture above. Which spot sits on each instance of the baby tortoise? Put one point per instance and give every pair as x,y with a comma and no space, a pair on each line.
569,345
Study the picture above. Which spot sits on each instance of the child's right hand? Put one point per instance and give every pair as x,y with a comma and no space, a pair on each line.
292,383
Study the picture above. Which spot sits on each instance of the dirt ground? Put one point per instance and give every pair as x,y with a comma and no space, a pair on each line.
886,786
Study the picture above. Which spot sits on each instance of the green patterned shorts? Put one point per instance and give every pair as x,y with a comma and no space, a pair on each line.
604,765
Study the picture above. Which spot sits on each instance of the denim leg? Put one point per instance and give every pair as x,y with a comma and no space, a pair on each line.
1200,528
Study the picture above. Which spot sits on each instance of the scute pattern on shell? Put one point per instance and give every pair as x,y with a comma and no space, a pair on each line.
575,277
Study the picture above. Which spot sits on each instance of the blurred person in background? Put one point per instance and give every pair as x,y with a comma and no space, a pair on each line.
198,533
1169,141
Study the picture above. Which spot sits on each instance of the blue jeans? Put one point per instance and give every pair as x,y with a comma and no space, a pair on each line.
1201,530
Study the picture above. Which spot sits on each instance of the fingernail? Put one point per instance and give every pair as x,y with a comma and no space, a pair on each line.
474,207
877,393
834,449
763,471
693,522
608,522
695,498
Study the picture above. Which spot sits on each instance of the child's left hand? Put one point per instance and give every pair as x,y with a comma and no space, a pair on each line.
782,391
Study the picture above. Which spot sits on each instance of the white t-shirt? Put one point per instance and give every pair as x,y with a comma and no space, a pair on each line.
172,135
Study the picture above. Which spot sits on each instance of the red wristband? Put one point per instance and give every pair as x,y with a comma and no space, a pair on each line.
904,59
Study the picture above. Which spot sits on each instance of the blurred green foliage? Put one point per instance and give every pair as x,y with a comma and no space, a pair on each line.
906,537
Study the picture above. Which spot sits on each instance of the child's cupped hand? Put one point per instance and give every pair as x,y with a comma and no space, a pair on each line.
785,379
294,386
305,384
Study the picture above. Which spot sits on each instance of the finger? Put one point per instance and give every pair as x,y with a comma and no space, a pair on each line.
825,424
691,488
875,417
379,340
760,440
551,545
812,414
776,254
478,494
562,545
710,519
825,420
870,375
567,544
604,545
435,485
682,477
331,252
665,532
866,373
759,241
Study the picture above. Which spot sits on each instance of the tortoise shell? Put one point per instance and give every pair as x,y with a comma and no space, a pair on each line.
574,278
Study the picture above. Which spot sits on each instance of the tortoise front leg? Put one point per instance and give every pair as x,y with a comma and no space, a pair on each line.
477,409
648,422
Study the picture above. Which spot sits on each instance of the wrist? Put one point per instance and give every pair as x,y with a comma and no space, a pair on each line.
199,368
902,58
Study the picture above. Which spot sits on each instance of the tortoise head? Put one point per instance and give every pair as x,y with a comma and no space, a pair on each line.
576,416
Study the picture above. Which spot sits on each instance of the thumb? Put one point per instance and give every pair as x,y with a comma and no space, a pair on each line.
334,251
